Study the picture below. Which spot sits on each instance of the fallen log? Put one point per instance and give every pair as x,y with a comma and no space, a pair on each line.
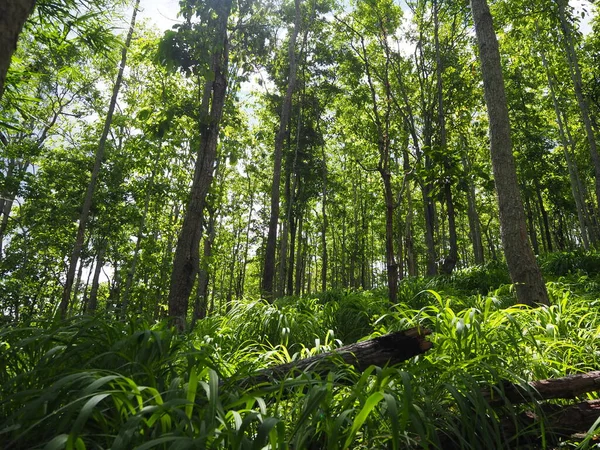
570,419
389,350
565,387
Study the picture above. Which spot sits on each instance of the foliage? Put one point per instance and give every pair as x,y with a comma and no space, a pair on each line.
564,263
92,383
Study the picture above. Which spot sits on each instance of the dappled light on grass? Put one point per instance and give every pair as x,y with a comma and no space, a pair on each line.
91,383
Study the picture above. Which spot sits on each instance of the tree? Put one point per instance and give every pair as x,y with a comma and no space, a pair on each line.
268,276
214,16
13,14
87,202
523,268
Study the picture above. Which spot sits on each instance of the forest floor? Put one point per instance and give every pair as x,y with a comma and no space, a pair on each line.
95,382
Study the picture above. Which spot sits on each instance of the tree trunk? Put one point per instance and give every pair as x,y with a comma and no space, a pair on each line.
391,265
139,237
544,214
387,350
93,302
531,226
474,222
13,14
7,199
201,303
324,255
429,227
269,268
87,202
242,273
522,266
187,252
299,255
571,164
449,261
577,84
284,241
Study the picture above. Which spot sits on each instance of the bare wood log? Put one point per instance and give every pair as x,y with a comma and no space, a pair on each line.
384,350
566,387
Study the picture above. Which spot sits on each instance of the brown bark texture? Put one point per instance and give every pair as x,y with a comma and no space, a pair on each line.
269,267
389,350
523,268
566,387
187,253
13,14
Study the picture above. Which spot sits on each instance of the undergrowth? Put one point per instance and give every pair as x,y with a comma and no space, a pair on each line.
91,383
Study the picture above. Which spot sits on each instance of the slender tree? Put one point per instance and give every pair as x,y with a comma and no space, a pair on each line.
87,202
524,271
268,275
187,253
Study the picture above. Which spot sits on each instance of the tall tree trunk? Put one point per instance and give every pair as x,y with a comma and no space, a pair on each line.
473,216
201,303
242,273
324,255
531,223
87,202
382,122
449,261
522,266
8,196
577,84
290,258
426,189
187,252
571,164
411,257
13,14
283,269
269,268
85,299
93,302
77,286
139,237
299,257
544,213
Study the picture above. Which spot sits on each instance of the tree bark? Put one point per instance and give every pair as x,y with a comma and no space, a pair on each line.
93,301
324,255
287,237
270,250
577,84
451,259
381,351
201,303
565,387
522,266
473,216
571,164
13,14
87,202
139,237
187,252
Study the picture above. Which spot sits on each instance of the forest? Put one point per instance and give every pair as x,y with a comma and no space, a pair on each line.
210,234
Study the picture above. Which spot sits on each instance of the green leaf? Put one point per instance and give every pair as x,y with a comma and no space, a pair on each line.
360,419
191,393
58,443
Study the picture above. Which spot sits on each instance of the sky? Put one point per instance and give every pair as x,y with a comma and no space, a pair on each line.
164,12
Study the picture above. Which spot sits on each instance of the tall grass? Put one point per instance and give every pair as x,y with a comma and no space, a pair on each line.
91,383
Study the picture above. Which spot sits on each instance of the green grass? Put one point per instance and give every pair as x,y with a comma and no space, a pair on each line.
95,384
